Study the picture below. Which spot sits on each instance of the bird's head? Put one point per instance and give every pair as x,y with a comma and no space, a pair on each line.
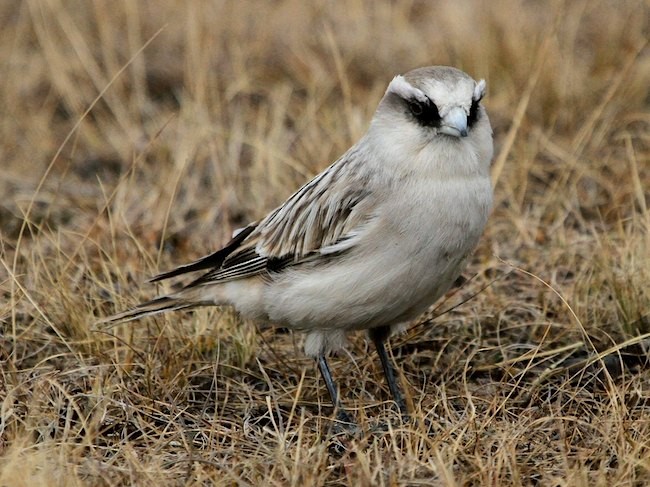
439,99
435,108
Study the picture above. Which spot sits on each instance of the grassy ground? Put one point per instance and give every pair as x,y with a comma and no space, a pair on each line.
137,135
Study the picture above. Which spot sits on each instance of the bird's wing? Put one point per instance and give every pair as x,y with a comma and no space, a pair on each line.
326,216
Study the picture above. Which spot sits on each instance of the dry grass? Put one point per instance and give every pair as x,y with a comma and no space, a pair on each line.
137,135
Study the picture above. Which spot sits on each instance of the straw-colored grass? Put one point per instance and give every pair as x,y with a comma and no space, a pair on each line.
137,135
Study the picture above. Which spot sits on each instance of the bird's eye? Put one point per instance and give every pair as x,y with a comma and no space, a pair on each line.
416,108
425,112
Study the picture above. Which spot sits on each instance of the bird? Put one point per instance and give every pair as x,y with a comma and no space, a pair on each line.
372,241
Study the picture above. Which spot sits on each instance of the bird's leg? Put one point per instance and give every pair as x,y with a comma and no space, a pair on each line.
378,336
341,414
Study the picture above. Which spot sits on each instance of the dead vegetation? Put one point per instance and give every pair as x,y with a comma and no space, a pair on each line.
138,135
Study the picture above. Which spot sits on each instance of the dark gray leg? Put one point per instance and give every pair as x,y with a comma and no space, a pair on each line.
341,414
379,336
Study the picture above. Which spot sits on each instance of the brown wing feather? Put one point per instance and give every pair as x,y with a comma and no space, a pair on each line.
318,215
326,211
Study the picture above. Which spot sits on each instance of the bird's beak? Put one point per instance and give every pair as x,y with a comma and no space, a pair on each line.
454,123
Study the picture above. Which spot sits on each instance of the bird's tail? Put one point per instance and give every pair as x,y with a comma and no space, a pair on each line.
148,308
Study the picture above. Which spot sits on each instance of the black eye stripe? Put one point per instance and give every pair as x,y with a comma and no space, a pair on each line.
473,112
424,112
